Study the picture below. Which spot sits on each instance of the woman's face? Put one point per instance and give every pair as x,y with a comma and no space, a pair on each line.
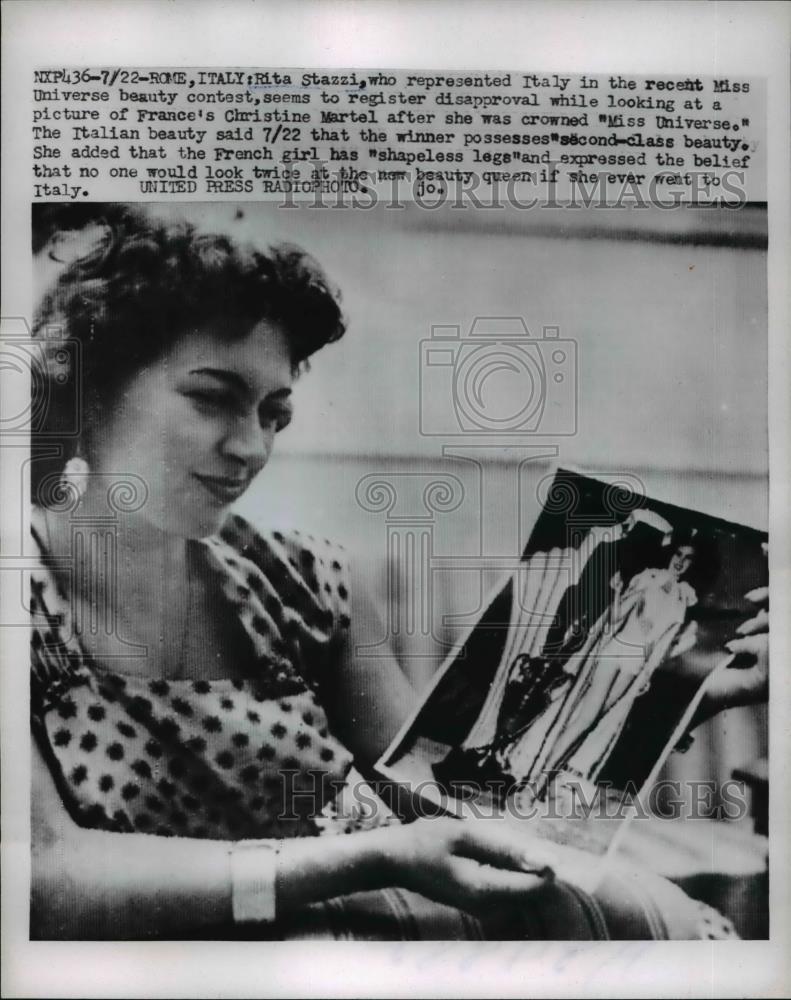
198,425
681,561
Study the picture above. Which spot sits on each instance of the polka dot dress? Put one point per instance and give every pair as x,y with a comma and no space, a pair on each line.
220,759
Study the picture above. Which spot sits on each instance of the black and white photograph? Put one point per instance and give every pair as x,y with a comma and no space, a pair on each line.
548,696
204,672
392,499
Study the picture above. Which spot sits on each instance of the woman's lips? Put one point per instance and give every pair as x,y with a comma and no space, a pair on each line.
223,489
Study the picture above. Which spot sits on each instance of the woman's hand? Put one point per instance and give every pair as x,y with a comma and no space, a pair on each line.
746,681
470,864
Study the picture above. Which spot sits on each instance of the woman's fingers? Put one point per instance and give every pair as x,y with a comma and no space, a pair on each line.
760,595
493,842
760,623
481,885
742,685
752,647
747,682
751,652
471,863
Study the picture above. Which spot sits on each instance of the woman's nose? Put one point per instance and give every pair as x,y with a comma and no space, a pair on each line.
248,442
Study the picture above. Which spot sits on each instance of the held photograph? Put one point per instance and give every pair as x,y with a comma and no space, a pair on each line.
611,634
329,637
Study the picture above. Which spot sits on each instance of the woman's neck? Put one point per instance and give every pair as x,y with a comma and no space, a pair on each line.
129,586
139,551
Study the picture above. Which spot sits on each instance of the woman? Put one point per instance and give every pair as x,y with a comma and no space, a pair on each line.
587,701
195,702
565,707
644,625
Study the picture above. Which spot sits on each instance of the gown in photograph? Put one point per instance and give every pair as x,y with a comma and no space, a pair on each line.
586,712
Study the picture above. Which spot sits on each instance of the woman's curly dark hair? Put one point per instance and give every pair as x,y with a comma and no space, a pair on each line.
146,282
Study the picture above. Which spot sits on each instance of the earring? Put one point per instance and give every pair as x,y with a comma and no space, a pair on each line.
75,474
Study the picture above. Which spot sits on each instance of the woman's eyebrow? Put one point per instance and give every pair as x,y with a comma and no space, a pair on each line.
238,382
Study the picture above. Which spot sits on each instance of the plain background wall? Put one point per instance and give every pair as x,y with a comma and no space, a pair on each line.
671,333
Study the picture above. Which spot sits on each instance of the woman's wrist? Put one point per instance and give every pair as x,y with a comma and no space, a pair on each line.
397,849
253,867
310,869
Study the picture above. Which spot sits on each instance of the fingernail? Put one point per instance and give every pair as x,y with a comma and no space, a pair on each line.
729,646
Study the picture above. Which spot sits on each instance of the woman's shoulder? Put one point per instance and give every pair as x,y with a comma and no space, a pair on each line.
659,579
299,547
302,566
652,576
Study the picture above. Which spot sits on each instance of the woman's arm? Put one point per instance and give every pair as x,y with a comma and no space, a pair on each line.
96,884
367,694
92,884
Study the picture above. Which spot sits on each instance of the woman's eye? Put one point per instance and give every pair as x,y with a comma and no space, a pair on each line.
206,399
280,418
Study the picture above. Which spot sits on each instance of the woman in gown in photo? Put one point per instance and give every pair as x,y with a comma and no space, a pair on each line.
645,624
576,675
197,709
